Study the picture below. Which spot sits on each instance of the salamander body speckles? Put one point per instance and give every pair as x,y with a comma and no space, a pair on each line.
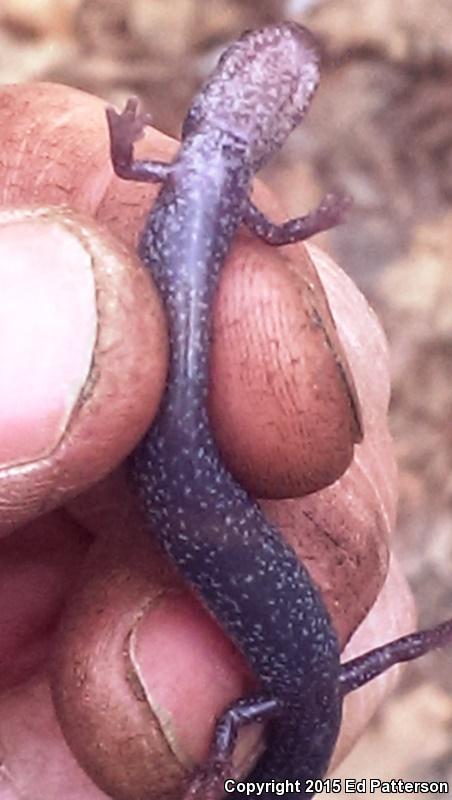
234,559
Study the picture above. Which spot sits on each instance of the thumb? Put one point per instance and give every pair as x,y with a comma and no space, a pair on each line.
76,314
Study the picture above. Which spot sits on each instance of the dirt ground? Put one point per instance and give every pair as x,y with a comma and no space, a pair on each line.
390,146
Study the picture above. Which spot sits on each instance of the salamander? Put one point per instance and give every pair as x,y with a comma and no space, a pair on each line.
237,563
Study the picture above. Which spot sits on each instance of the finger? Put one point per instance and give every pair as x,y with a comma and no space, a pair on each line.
282,393
36,761
77,311
38,566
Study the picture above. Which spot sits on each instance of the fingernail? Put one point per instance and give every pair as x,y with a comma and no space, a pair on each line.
189,673
48,328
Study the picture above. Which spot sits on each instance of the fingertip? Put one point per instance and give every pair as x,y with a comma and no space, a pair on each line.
283,400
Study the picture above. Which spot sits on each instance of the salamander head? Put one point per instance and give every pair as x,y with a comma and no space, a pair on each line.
260,89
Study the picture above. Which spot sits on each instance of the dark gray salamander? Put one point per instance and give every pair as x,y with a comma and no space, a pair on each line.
239,565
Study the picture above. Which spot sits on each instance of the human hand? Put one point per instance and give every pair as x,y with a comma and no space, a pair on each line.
67,424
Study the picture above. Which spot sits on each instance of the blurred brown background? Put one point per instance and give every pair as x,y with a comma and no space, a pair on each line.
381,128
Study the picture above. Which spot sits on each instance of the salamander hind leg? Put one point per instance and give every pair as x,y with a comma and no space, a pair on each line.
125,129
365,668
330,212
208,782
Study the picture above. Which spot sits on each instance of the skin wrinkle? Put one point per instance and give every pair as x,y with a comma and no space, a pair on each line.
336,541
20,150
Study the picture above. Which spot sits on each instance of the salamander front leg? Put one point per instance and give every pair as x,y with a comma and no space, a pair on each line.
208,783
125,129
330,212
